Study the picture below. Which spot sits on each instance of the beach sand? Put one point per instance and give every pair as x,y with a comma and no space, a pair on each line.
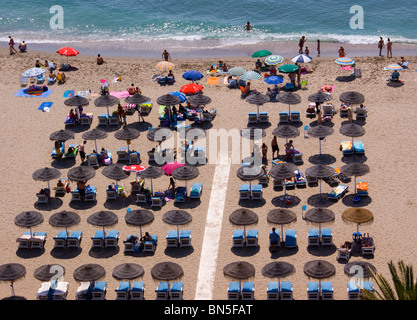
389,144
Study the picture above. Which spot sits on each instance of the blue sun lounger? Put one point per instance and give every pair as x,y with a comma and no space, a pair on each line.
175,293
286,292
137,290
180,194
99,290
313,237
98,238
358,147
74,240
233,292
327,291
290,238
162,291
248,290
238,238
338,192
122,292
196,190
60,239
313,290
272,292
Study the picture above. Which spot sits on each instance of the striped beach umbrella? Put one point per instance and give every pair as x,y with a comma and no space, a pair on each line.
301,58
273,60
236,71
393,67
33,72
344,61
250,75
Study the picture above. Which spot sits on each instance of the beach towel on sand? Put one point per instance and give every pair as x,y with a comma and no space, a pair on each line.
22,93
45,106
213,80
120,94
69,93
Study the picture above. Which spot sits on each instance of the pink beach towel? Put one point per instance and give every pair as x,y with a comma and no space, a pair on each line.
120,94
347,68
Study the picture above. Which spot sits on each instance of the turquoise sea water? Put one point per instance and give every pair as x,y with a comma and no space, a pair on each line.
206,24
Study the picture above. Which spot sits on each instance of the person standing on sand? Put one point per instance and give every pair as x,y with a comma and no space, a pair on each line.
274,147
389,48
318,47
301,44
11,45
81,150
165,55
380,45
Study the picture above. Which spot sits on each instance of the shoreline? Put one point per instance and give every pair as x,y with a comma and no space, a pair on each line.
214,50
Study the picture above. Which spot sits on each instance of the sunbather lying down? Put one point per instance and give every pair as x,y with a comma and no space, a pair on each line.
367,241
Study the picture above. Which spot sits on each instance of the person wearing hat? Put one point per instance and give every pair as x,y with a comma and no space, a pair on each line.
38,64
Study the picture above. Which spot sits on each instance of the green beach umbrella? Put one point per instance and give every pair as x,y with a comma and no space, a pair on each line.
261,53
288,68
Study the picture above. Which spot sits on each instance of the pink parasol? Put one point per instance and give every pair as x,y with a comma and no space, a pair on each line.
170,167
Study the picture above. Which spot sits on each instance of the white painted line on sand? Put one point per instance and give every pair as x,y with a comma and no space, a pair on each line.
212,232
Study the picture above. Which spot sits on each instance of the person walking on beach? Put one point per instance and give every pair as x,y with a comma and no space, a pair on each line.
11,45
318,47
380,45
248,26
81,150
274,147
389,48
165,55
301,44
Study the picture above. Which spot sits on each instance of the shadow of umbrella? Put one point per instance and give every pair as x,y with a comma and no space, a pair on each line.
11,272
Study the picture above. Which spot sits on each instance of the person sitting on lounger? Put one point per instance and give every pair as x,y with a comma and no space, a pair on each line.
60,184
103,155
367,240
401,61
73,115
346,245
273,70
289,148
170,74
273,239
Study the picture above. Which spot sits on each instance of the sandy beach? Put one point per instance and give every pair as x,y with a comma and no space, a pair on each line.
389,153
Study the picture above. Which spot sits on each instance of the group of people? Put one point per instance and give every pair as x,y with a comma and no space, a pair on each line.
22,46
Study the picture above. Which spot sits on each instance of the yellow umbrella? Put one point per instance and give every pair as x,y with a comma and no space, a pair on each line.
165,65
